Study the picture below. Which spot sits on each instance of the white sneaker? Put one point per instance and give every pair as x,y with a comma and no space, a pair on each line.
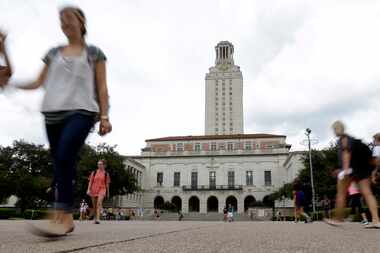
333,222
373,226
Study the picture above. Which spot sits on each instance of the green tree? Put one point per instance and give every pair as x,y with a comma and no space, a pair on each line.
324,162
26,171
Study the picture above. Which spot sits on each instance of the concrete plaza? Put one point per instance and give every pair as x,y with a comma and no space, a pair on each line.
182,237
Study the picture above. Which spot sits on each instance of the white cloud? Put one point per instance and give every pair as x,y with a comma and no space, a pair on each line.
305,63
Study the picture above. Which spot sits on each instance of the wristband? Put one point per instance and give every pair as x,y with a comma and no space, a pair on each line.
104,117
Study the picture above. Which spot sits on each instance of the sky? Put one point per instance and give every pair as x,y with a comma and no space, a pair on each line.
305,64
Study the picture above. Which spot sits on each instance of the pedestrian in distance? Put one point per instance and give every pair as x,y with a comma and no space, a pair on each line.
356,201
76,96
326,204
230,213
299,203
356,164
225,213
98,188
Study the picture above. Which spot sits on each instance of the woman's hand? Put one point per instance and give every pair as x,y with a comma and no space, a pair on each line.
105,127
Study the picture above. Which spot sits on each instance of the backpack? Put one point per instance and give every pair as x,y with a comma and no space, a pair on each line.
361,155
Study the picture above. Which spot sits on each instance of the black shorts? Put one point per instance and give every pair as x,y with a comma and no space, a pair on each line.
363,172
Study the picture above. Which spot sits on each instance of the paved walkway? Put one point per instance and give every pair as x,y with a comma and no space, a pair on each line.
183,237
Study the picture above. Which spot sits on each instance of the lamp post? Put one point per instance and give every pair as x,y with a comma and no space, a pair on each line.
308,132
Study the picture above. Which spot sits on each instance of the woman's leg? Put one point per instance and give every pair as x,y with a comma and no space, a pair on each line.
342,187
365,189
99,206
67,145
94,209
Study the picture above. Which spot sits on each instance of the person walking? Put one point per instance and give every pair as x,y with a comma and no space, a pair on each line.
326,204
98,188
355,160
356,201
230,214
299,203
83,210
225,212
76,96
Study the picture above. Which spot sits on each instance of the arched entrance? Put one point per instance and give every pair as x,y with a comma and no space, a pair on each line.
177,201
249,201
268,201
158,202
212,204
233,201
194,204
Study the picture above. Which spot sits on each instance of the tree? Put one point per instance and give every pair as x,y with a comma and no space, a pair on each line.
324,161
25,171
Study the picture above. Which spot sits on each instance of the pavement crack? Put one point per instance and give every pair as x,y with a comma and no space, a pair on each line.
128,240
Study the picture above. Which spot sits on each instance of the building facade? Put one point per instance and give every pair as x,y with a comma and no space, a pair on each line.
133,200
205,173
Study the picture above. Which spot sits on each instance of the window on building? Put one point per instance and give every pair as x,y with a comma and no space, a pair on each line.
179,146
213,146
212,179
194,179
268,177
216,129
231,129
198,145
160,178
177,179
231,93
248,146
230,146
231,178
249,177
221,146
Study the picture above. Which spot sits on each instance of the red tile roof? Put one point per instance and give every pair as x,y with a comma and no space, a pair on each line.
216,137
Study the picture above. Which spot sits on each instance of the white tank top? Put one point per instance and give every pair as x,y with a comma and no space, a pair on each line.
70,85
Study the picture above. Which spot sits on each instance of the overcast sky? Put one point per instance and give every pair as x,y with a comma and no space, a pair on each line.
304,64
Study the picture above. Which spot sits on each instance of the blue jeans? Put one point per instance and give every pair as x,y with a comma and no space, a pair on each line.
66,139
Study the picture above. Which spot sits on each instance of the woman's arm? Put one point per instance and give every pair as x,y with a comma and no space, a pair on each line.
34,84
101,85
90,182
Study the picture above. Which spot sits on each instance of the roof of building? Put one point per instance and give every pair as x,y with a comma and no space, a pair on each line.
216,137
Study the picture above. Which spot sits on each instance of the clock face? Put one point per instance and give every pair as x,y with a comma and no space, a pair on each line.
223,67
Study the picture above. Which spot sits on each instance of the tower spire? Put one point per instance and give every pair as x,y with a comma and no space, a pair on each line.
224,53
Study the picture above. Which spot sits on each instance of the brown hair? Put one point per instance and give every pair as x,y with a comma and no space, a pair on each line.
80,16
103,161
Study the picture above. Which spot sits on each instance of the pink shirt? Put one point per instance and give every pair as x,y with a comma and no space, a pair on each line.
353,189
98,183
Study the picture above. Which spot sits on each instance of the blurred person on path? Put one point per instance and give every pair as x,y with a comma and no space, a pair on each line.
356,163
76,96
356,201
299,203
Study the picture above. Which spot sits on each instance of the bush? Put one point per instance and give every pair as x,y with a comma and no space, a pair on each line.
31,214
6,213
